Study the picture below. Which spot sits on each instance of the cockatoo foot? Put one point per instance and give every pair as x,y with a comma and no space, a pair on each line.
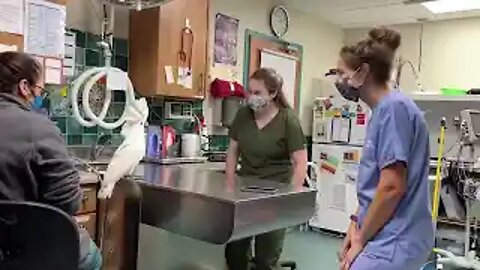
106,191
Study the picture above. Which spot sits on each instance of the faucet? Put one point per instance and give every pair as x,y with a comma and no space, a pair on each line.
99,145
402,62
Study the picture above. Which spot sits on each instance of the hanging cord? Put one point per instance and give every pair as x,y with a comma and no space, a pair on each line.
107,23
185,34
107,28
420,48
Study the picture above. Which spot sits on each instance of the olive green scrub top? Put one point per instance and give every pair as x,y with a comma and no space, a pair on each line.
265,153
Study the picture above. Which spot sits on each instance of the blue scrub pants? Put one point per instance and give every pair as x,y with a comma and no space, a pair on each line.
402,259
93,260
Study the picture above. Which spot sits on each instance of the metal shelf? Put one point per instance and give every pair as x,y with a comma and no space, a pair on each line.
460,223
427,97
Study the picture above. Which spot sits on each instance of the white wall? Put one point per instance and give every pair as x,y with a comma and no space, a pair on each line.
450,56
87,15
321,42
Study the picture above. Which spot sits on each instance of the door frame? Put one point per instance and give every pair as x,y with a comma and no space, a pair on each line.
251,34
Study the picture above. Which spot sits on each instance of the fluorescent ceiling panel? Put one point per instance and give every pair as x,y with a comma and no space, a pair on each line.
448,6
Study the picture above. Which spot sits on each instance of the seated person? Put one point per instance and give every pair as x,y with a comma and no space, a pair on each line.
34,163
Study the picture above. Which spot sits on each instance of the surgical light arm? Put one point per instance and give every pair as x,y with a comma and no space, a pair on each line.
116,80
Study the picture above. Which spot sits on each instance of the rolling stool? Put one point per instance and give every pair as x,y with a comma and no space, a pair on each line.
429,266
311,182
37,236
289,264
284,264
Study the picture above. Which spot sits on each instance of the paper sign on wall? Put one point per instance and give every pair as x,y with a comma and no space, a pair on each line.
337,197
352,156
53,71
169,77
328,163
69,60
185,77
361,119
45,28
11,16
340,129
8,48
53,76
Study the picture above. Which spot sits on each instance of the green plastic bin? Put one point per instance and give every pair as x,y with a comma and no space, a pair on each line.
453,92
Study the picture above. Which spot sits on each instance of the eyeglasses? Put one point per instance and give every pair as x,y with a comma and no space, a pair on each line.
39,87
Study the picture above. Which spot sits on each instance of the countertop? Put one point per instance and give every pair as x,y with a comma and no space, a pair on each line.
207,179
195,200
88,178
92,178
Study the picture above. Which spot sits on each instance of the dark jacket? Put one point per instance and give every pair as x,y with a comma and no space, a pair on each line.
34,163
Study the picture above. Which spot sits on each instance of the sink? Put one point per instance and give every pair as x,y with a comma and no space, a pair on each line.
101,167
91,166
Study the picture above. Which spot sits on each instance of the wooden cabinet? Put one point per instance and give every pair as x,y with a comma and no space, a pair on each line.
86,215
89,222
156,42
89,199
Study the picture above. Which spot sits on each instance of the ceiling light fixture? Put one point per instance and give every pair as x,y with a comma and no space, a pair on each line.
448,6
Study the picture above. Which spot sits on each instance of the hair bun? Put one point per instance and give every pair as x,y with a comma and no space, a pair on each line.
386,37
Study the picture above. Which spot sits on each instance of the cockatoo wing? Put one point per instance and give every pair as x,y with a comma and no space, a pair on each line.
131,151
124,161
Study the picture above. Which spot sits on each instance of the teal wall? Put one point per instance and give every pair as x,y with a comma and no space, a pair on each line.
88,55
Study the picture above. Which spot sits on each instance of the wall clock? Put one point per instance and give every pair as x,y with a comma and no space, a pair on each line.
279,21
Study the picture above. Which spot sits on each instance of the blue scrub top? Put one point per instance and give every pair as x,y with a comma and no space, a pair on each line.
397,132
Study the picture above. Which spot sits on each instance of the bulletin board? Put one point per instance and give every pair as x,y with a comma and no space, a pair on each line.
15,24
7,38
286,58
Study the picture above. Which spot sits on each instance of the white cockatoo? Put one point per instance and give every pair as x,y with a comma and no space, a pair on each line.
130,152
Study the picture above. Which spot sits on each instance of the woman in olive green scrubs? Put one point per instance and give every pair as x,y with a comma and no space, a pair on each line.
269,140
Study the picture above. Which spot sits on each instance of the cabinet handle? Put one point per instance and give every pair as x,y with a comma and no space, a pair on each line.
202,84
205,84
84,200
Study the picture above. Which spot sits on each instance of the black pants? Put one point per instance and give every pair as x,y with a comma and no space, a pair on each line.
268,249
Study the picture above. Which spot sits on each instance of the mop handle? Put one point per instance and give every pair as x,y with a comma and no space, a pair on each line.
436,192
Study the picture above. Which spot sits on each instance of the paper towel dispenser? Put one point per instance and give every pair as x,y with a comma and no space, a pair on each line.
230,106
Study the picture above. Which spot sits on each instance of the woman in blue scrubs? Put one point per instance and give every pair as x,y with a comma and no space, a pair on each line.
392,228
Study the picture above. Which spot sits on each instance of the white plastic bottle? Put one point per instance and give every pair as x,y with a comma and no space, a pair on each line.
204,136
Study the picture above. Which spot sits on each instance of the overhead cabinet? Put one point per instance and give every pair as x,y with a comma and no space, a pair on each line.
168,49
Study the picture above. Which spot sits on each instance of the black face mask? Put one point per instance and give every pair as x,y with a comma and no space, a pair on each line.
348,91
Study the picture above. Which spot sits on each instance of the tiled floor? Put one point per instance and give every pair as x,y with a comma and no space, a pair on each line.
312,250
165,251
